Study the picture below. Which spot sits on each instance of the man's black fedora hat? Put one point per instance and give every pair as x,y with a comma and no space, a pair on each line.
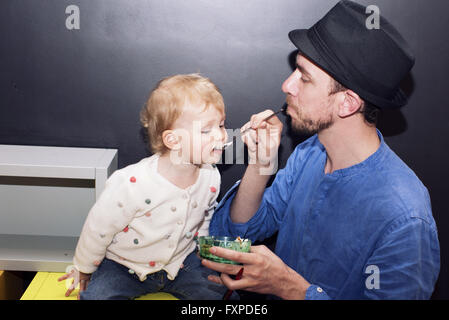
371,62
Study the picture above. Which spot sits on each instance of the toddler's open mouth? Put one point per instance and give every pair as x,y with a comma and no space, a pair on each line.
221,146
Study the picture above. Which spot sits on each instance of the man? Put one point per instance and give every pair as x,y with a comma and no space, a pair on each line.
353,221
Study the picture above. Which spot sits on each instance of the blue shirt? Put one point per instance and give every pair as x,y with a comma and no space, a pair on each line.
363,232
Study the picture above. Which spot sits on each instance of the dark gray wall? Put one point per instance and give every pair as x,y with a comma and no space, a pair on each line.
85,87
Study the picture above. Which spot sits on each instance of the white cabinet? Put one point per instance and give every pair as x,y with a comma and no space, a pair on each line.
45,196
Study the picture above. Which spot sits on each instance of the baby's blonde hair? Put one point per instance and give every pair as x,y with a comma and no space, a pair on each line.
167,100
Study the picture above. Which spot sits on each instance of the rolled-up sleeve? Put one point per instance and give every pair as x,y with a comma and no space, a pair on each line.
315,292
265,222
221,223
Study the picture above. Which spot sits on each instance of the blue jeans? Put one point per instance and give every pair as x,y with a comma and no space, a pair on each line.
112,281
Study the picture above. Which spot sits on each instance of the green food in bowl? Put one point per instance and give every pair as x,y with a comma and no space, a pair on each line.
206,242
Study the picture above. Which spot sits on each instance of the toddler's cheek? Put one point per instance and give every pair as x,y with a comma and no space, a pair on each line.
226,137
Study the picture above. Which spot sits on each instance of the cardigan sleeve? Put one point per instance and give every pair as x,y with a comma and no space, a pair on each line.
109,215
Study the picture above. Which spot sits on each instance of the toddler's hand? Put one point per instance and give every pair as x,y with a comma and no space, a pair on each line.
78,278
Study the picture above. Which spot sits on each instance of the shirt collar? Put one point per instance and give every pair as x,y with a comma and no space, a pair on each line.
369,163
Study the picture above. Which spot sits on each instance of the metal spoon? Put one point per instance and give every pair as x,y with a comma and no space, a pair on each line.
243,132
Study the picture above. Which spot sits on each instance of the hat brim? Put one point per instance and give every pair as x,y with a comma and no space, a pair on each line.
300,39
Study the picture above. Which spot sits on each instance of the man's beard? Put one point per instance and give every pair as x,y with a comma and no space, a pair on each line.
307,126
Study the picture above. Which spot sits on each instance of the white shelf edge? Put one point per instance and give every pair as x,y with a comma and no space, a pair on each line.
15,170
36,253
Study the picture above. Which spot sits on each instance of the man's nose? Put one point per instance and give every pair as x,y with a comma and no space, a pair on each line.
290,85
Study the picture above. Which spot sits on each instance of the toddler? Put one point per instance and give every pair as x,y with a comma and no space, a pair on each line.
139,236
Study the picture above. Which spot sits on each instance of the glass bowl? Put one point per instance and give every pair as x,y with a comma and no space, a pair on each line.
206,242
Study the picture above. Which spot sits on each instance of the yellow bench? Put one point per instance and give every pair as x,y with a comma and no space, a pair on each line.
45,286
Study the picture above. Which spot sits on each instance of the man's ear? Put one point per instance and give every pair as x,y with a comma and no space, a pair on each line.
170,140
350,105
